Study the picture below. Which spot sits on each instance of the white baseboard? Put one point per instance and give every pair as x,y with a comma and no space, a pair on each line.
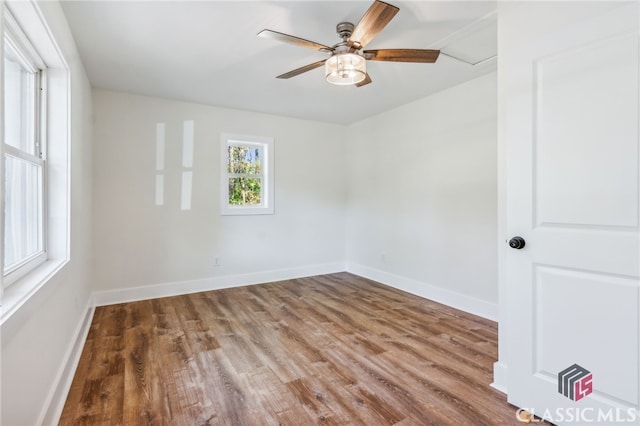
154,291
58,394
500,377
428,291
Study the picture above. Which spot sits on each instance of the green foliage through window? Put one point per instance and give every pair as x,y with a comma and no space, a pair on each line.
245,175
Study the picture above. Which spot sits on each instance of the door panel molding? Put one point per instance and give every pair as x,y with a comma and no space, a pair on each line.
572,93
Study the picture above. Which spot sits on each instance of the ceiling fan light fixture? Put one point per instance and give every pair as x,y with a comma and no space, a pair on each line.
346,68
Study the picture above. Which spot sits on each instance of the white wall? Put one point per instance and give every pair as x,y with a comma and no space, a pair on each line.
139,244
422,197
37,339
411,193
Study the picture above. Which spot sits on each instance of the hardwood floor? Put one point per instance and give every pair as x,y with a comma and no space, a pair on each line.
332,349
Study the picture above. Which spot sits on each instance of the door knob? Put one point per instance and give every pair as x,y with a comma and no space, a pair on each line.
516,243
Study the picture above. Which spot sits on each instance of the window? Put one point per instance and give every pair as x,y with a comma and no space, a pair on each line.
247,175
23,156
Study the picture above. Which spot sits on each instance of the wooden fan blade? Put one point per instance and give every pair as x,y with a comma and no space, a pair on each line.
372,22
297,41
366,80
301,70
402,55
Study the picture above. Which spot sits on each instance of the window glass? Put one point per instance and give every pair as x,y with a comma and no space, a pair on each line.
244,159
19,103
23,211
245,191
243,163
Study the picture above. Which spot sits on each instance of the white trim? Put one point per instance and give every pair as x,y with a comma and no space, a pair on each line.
2,14
500,367
153,291
500,377
57,396
22,268
15,297
428,291
267,201
20,44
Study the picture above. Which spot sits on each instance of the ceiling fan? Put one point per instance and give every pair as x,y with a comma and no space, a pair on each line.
347,63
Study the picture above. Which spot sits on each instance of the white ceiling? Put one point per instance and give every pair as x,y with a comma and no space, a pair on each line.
208,52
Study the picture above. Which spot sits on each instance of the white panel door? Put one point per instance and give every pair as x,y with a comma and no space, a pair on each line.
570,108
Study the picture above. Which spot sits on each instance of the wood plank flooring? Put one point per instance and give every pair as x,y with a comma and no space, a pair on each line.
334,349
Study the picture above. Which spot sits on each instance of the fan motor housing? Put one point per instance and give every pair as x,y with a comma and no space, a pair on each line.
344,30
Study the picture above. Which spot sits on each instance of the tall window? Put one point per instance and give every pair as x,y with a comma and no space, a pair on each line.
24,159
247,175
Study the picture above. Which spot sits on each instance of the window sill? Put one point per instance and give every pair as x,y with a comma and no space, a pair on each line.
244,211
18,293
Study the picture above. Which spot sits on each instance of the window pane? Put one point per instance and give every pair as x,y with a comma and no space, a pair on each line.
23,211
19,103
245,191
244,160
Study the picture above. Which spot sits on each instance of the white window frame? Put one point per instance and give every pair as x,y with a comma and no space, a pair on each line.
29,59
267,197
20,299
